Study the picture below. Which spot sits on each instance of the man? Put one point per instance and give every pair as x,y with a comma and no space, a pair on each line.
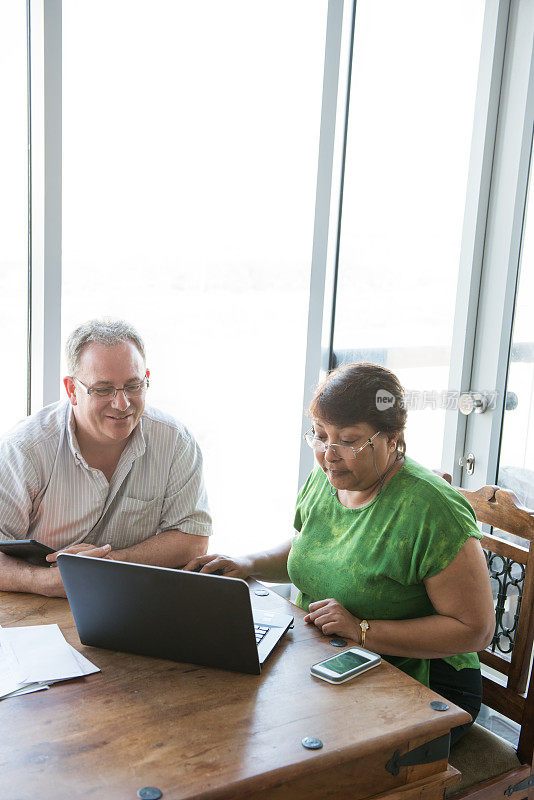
99,474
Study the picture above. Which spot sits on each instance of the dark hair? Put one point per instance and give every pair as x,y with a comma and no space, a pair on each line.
362,392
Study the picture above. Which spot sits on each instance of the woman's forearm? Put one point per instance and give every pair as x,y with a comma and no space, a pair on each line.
436,636
270,565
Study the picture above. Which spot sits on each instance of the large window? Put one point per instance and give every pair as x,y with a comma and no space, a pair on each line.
189,170
414,82
13,209
187,180
516,470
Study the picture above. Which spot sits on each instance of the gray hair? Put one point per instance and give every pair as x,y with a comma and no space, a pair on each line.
103,331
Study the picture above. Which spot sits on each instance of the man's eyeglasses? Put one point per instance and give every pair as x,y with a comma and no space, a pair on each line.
344,451
110,392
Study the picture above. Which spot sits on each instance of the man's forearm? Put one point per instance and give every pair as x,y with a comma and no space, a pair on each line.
168,549
18,576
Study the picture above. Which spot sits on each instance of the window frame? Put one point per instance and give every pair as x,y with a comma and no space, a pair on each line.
486,291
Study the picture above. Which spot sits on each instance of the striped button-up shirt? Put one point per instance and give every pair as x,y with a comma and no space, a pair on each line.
48,491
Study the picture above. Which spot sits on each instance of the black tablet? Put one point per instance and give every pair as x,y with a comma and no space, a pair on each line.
31,551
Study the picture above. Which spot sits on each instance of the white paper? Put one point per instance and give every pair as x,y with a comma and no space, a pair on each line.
33,687
9,681
85,665
34,656
42,654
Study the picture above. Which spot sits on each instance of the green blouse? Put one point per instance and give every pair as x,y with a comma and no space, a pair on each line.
373,560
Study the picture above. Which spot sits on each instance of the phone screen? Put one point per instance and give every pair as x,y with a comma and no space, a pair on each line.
345,662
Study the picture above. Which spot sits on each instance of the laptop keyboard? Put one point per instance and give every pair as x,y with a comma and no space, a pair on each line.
260,631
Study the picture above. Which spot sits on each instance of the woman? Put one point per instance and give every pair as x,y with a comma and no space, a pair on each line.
386,553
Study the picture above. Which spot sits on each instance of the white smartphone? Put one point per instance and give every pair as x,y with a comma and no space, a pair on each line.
346,665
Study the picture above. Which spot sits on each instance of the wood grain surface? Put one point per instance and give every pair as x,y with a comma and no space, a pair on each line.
204,733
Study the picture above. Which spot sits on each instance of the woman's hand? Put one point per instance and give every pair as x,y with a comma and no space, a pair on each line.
222,565
332,618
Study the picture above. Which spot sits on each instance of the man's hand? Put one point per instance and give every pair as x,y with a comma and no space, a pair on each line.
332,618
81,550
50,579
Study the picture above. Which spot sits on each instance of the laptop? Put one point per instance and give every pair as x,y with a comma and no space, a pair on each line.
168,613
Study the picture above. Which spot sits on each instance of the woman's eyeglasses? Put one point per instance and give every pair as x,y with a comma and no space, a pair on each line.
344,451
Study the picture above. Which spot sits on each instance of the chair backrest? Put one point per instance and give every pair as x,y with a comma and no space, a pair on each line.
511,568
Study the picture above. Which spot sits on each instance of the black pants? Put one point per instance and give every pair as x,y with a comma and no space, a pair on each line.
463,687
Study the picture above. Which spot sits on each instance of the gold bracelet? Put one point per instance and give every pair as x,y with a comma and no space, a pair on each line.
364,626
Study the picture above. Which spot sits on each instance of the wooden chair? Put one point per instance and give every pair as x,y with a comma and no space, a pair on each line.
491,768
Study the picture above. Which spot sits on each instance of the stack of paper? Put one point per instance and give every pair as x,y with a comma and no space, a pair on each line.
35,656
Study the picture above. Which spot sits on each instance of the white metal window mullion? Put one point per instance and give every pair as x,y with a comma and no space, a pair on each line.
327,204
503,243
475,218
44,327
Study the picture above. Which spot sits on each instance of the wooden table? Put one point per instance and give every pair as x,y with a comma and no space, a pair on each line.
196,732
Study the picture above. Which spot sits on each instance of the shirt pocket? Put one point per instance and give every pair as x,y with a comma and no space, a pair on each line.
138,519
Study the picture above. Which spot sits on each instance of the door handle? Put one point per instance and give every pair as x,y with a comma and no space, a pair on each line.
472,401
468,462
